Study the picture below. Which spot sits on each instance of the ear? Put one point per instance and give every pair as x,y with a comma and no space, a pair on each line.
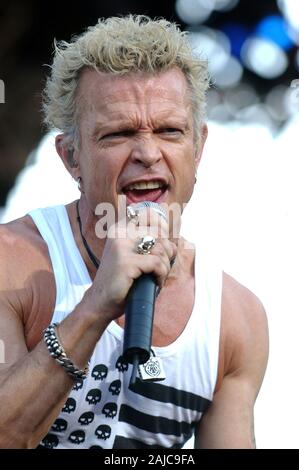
68,154
202,140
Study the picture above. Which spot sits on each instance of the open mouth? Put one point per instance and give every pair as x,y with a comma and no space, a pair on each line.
145,191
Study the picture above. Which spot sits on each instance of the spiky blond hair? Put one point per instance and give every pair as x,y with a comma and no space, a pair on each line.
120,45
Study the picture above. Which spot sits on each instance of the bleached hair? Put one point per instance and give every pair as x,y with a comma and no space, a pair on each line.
120,45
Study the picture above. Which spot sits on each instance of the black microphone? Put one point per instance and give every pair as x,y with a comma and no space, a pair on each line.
139,311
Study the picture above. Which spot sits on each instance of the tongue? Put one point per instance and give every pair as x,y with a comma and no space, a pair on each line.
138,195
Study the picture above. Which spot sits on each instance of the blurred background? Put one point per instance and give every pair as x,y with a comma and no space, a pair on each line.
245,204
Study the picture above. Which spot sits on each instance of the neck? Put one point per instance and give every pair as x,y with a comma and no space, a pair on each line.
88,217
88,222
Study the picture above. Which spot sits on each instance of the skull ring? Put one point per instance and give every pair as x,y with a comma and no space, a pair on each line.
132,215
144,247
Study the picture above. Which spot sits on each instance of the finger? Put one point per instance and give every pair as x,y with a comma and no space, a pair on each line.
164,248
153,264
164,251
147,218
138,232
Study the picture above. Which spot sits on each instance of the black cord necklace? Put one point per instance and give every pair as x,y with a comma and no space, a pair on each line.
96,262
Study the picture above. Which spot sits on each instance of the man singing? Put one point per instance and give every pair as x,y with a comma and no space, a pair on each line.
128,97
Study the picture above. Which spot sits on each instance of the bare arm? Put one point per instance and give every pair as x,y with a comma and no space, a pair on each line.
229,422
33,386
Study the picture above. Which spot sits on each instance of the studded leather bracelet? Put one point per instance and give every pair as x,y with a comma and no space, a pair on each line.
56,350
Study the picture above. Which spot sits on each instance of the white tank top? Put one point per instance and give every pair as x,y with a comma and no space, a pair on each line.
104,410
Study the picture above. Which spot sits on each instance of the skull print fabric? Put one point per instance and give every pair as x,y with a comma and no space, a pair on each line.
106,412
97,396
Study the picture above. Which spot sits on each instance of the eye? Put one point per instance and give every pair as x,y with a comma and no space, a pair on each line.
171,131
115,135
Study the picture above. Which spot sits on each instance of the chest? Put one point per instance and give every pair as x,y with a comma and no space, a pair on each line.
173,309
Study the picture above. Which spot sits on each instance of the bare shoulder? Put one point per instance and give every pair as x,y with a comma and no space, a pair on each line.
244,329
27,282
240,306
239,303
22,251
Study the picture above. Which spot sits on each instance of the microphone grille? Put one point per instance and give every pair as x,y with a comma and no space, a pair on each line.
152,205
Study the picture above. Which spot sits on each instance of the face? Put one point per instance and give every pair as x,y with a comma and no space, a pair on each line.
136,138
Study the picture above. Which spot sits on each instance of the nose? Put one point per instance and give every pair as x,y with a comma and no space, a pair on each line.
146,151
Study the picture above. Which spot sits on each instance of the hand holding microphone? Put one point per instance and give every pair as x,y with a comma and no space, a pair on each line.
140,303
127,280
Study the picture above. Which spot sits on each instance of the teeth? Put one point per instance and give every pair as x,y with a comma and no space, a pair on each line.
144,185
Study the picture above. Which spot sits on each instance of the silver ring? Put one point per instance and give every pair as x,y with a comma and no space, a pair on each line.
144,247
133,214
